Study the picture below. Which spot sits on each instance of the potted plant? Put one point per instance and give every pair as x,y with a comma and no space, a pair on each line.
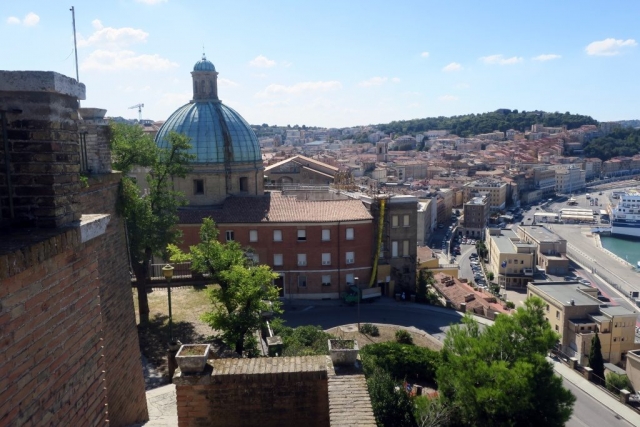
343,352
192,358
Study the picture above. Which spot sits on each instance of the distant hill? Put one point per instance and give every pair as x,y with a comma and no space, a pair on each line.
620,142
474,124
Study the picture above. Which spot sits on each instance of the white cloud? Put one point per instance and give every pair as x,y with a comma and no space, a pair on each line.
262,61
425,54
227,83
113,37
448,98
454,66
546,57
30,20
396,80
609,47
298,88
105,60
152,2
501,60
373,81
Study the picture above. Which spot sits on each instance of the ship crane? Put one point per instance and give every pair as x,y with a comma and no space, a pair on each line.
139,107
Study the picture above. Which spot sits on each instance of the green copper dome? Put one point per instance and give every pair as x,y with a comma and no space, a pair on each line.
207,124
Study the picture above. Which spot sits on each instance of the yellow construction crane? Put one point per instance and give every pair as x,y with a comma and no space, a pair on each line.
139,107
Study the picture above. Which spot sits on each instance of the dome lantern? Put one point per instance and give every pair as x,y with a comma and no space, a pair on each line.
205,80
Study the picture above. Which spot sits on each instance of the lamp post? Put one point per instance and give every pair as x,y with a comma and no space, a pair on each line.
167,272
504,275
355,279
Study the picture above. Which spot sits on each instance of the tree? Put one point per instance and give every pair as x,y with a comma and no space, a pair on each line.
151,218
391,407
490,275
596,361
499,376
244,293
421,294
431,412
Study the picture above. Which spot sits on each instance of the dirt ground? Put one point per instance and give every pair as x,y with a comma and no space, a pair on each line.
387,333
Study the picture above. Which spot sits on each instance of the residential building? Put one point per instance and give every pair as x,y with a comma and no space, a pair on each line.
461,296
318,248
475,216
510,259
569,180
427,220
576,314
551,248
544,181
495,190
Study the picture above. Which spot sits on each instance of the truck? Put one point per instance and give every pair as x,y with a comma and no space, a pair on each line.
354,294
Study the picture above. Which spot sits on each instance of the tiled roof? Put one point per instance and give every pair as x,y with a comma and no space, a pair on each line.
275,207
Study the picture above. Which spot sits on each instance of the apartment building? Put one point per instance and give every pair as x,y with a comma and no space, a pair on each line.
476,216
544,180
569,180
511,259
551,253
427,220
495,190
574,311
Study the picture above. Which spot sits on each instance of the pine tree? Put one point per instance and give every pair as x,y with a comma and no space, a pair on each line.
596,362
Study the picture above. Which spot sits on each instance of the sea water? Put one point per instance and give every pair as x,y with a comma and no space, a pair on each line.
626,248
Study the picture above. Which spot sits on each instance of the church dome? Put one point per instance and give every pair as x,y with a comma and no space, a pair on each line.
207,124
204,65
218,133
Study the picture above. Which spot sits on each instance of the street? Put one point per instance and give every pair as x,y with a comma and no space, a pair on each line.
588,412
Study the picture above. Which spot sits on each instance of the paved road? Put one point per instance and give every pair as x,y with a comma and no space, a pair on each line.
588,412
434,322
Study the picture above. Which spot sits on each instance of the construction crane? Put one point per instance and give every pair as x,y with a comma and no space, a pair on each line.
139,107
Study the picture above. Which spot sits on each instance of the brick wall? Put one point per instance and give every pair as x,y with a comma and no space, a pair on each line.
284,391
125,393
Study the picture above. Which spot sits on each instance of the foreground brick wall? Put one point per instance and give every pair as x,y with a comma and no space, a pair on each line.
284,391
124,379
51,364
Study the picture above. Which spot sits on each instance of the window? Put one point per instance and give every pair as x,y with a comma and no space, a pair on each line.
277,259
615,340
394,249
381,250
302,259
302,281
547,307
350,279
277,235
255,258
326,280
198,186
326,235
350,257
349,233
244,184
326,259
394,221
522,262
302,235
229,235
557,329
405,248
405,221
253,235
557,314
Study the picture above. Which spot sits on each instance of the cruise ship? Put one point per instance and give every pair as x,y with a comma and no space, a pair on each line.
625,217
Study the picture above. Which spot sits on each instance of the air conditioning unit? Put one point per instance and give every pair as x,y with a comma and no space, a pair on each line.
326,262
350,261
302,262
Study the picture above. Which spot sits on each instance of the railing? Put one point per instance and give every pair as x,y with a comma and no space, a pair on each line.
182,270
596,268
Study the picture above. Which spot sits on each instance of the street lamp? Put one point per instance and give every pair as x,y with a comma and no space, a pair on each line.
504,275
167,272
355,279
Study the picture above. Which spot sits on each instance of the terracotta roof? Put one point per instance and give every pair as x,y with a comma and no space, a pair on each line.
274,207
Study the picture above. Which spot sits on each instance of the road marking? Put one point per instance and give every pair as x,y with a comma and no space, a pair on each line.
307,308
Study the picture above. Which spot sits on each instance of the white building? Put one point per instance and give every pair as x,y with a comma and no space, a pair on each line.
569,180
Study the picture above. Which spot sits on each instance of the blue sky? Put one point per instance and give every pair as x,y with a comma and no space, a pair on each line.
339,63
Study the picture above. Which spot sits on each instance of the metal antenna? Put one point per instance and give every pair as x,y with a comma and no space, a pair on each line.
75,44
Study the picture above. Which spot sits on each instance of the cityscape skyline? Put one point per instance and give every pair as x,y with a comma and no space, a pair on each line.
338,65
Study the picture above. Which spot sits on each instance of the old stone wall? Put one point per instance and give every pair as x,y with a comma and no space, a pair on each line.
284,391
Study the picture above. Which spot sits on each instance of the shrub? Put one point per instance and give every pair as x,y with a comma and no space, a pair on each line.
616,382
369,329
403,337
305,340
511,304
400,360
391,407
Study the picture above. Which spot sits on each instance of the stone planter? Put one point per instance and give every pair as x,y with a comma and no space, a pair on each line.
343,352
192,358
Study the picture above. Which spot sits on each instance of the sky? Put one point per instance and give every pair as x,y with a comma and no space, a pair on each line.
337,63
